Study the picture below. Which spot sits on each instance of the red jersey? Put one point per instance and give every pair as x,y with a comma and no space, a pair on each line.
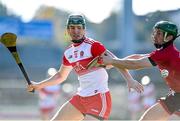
168,59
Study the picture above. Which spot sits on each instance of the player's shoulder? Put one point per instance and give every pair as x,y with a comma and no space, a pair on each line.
68,48
91,41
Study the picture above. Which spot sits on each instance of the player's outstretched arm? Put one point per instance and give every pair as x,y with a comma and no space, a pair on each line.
131,83
128,62
58,78
136,56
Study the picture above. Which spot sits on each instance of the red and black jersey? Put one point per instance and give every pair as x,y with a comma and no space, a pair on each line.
168,59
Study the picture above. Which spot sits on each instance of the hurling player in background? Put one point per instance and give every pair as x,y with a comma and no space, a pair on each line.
167,58
92,100
48,98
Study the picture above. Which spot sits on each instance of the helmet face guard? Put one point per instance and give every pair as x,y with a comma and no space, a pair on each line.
168,28
76,19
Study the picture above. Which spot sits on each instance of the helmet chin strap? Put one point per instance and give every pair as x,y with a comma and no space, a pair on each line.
164,45
78,41
158,46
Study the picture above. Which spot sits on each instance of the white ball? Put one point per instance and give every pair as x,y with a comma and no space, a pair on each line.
164,73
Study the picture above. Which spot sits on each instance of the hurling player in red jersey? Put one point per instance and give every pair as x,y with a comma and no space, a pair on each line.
92,100
167,58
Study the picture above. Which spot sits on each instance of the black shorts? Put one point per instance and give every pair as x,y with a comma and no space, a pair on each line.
171,103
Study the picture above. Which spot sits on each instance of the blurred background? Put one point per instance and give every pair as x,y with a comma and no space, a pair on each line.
123,26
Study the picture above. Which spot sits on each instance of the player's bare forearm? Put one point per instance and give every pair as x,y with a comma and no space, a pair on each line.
131,64
54,80
58,78
125,73
136,56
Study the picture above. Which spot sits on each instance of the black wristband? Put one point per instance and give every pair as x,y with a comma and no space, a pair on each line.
151,61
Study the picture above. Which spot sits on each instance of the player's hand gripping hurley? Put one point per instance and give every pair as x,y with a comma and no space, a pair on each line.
9,40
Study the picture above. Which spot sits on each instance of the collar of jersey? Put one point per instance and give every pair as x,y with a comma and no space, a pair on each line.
77,44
